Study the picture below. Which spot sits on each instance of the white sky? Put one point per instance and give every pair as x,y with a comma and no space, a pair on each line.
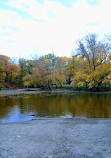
29,28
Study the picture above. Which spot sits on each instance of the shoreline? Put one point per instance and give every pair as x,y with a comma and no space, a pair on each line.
18,91
60,138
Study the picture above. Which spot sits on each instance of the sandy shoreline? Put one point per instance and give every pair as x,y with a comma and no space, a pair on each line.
60,138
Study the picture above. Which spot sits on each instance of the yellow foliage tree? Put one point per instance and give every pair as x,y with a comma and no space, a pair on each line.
94,68
33,79
57,76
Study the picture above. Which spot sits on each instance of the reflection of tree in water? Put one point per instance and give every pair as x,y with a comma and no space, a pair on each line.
48,105
91,105
24,104
87,105
21,105
6,105
84,105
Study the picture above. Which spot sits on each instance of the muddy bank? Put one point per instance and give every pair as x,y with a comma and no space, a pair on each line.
60,138
18,91
31,91
38,90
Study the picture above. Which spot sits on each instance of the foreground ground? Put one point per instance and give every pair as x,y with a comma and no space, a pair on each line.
58,137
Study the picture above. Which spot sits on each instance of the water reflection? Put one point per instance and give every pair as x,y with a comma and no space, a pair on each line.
16,116
26,107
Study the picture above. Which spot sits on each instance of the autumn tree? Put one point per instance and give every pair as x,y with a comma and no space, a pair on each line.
52,69
96,65
39,74
25,67
49,70
94,51
8,71
49,60
57,76
34,79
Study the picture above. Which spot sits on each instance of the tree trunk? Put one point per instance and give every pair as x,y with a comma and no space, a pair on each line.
56,85
86,86
98,86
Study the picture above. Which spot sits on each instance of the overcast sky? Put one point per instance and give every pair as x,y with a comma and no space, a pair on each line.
38,27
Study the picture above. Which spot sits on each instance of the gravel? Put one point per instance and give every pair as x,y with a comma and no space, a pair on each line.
56,138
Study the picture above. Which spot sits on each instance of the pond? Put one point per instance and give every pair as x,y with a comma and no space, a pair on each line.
27,107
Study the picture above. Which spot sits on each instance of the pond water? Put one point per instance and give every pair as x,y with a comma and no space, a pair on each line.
26,107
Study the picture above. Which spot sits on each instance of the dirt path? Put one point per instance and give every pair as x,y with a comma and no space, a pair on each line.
60,138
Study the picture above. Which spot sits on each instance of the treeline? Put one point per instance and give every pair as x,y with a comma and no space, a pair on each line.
89,67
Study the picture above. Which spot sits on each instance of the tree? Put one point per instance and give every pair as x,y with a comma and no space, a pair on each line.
25,67
49,70
95,66
57,77
34,79
8,71
95,52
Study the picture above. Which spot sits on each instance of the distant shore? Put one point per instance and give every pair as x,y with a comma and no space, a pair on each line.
18,91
